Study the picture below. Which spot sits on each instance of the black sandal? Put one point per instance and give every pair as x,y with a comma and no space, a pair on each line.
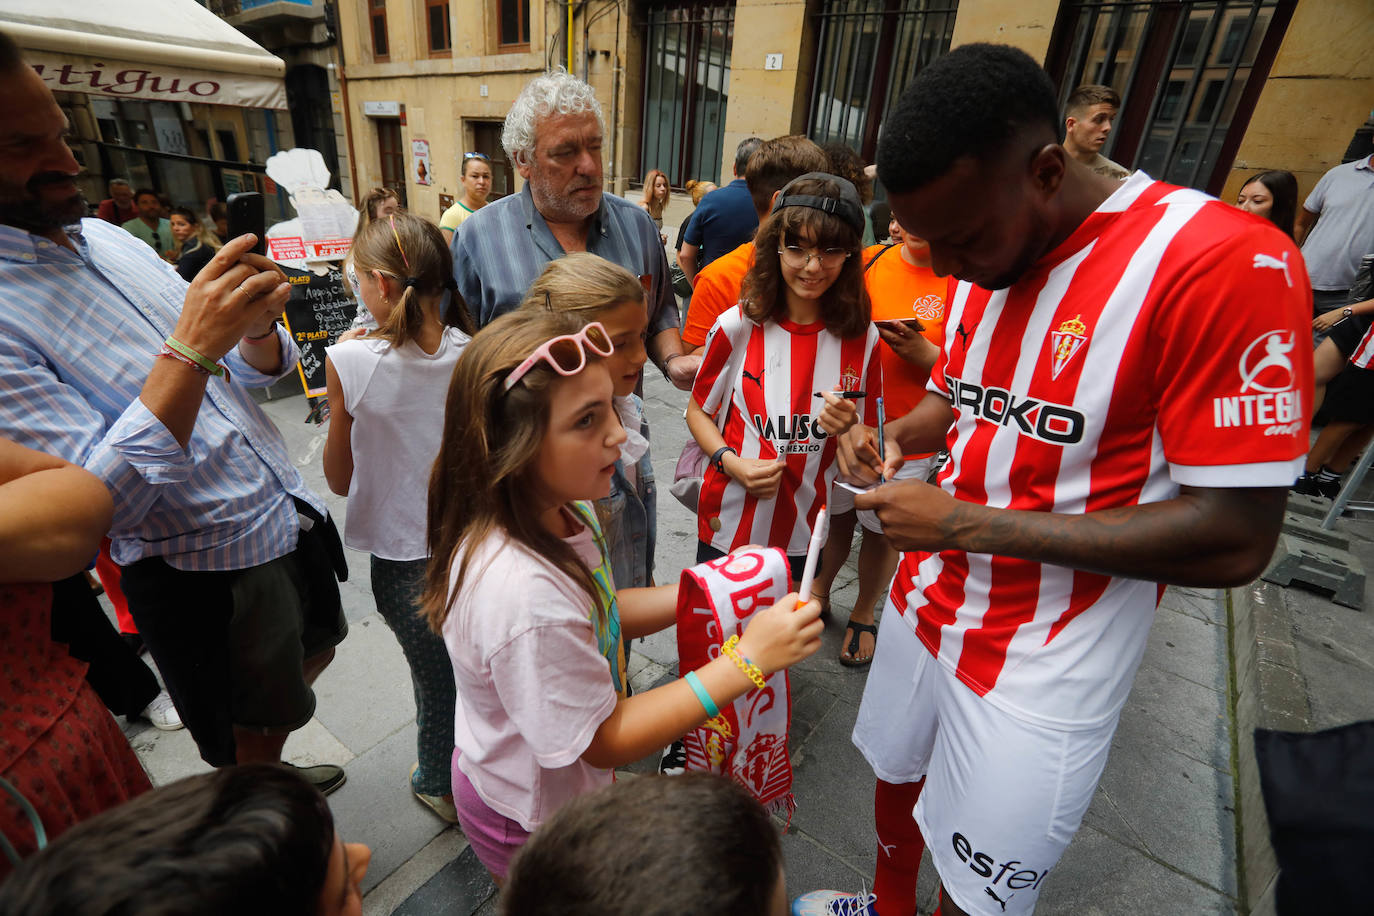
853,645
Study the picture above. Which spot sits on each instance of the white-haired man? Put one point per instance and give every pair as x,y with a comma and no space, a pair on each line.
553,135
119,207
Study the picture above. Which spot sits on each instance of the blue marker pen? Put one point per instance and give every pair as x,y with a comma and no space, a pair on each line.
882,443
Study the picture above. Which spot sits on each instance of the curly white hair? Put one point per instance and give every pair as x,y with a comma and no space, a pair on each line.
554,92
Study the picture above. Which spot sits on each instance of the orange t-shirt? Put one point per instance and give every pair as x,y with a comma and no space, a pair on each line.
898,289
717,288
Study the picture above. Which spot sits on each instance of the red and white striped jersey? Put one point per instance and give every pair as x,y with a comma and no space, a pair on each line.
1164,343
774,414
1363,357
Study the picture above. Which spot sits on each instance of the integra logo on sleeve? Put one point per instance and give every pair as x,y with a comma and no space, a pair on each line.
1043,420
1268,396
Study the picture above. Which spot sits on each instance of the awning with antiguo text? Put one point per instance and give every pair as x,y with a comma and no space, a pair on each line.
167,50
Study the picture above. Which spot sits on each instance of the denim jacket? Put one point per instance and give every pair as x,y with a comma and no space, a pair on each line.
629,518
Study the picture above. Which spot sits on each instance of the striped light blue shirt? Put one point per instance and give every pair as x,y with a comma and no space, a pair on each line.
503,248
78,336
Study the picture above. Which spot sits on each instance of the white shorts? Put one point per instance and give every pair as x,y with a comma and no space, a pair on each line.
1003,797
842,501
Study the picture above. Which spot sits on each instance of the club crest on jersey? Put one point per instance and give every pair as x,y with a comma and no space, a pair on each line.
1066,342
929,308
849,379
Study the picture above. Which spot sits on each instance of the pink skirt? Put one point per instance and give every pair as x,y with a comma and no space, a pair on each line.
494,837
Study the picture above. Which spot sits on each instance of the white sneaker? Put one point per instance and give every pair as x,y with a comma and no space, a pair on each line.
834,903
162,712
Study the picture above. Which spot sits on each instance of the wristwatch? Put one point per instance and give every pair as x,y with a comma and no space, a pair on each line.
718,457
1347,312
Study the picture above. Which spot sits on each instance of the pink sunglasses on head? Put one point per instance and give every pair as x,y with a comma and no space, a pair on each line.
565,354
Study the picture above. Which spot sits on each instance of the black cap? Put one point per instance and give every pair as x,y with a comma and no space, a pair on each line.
846,206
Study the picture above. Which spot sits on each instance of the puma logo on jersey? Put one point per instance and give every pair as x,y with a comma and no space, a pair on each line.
756,379
1043,420
963,334
1268,260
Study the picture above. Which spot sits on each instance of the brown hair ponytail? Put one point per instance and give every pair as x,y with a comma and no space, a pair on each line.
411,251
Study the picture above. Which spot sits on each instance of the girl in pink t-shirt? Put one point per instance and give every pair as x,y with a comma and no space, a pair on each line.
519,586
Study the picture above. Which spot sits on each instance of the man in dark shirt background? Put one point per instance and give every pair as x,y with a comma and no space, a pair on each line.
724,221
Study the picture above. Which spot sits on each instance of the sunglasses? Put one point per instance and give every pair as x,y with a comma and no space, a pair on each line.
482,156
565,354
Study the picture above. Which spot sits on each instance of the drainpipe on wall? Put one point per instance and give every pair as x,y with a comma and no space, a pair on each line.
616,70
348,130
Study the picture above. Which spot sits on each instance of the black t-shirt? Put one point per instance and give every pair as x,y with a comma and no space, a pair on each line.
192,260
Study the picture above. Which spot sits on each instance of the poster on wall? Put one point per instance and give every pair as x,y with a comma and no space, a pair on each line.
419,152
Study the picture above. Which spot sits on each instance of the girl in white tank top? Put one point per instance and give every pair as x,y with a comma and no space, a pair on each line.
387,389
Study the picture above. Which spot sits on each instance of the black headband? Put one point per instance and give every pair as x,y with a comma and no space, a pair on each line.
846,206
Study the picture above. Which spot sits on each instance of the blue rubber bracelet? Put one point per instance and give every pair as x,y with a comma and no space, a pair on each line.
700,690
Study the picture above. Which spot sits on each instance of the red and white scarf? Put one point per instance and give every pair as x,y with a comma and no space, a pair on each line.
748,740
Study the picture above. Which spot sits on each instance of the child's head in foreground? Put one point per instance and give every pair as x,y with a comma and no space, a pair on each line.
254,839
652,846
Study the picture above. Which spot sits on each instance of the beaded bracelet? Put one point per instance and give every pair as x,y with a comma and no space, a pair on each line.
708,704
751,670
210,366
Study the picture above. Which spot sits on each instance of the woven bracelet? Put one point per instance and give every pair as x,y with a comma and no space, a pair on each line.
209,365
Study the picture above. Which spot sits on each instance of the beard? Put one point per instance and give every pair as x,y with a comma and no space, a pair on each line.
556,207
26,208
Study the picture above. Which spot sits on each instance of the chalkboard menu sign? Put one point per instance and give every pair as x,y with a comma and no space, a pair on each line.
319,310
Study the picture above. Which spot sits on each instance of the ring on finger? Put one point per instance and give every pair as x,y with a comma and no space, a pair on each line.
250,296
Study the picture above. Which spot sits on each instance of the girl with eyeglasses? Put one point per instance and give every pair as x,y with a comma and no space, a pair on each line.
772,364
475,177
386,408
519,584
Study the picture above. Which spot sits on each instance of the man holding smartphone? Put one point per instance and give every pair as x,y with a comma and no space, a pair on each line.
111,361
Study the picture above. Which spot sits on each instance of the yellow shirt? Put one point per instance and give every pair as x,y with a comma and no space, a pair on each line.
453,217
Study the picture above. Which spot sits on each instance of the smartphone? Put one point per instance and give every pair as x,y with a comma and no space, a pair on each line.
911,323
246,214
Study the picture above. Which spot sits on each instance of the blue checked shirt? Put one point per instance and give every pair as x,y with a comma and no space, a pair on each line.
503,248
78,336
